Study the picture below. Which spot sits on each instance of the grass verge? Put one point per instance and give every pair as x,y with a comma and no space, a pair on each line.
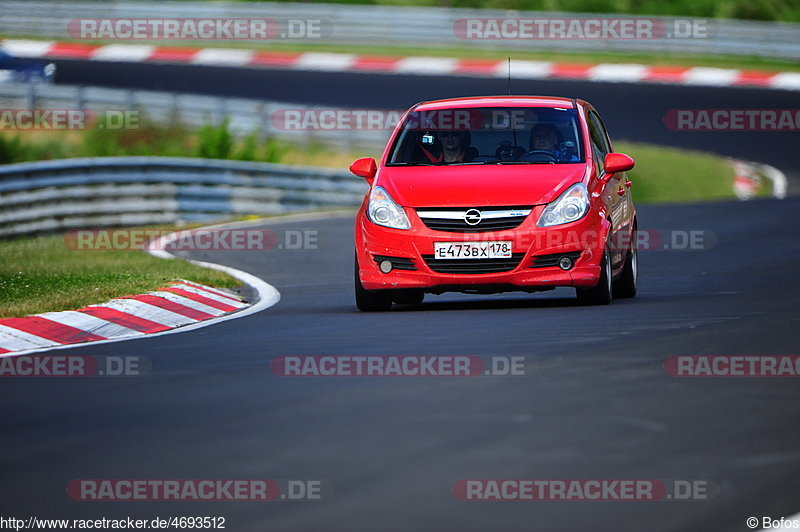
40,274
676,175
661,174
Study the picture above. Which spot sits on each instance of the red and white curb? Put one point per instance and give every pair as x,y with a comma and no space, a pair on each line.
434,66
181,303
182,306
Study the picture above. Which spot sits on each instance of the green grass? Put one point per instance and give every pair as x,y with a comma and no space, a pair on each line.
662,174
666,174
41,274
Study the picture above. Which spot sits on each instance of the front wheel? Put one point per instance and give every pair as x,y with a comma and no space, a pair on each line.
367,301
602,293
408,297
625,285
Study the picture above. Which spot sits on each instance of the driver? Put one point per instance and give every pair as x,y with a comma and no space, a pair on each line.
546,138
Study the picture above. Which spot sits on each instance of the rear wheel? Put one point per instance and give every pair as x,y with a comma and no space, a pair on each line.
367,301
602,293
625,285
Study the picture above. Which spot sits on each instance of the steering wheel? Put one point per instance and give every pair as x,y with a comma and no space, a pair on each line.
538,155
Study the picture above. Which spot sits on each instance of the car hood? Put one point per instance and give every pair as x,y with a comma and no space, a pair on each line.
478,185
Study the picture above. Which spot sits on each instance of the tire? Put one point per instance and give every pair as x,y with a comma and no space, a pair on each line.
368,301
602,293
625,285
408,297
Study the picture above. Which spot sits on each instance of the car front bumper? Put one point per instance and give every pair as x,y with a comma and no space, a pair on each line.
409,248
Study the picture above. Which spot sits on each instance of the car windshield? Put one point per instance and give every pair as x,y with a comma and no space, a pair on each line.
489,135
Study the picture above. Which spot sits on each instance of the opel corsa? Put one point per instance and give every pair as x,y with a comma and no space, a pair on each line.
493,194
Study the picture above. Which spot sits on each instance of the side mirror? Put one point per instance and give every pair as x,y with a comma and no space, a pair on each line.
618,162
366,168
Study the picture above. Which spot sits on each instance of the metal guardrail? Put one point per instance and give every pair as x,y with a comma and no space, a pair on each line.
370,25
245,116
66,194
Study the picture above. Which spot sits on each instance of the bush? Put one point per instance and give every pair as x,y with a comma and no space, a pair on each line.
147,139
15,149
214,142
11,149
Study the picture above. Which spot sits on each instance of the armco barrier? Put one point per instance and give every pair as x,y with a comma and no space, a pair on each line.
118,191
245,116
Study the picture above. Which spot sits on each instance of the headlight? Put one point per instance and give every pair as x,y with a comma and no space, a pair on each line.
382,210
572,205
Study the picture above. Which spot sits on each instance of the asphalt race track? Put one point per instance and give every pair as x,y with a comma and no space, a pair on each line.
595,402
631,111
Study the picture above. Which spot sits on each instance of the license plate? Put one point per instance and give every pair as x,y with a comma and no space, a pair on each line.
472,250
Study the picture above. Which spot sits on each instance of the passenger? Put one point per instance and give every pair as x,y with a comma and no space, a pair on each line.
454,146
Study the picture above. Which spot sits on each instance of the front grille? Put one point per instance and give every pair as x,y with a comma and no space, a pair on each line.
546,261
452,220
472,266
398,263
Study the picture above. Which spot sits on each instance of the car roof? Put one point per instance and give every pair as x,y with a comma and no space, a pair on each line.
496,101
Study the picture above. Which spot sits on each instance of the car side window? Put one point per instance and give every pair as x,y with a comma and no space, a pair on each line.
599,140
603,131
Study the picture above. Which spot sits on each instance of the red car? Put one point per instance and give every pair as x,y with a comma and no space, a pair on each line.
493,194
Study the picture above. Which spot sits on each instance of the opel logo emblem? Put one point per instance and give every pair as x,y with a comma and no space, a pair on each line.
472,217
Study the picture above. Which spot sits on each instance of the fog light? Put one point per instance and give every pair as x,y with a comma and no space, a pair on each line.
385,266
565,263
